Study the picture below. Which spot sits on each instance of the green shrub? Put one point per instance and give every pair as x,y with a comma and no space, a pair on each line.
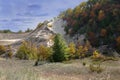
27,50
40,25
10,54
2,49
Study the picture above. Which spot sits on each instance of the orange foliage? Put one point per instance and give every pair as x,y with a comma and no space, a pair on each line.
70,31
88,45
84,14
81,51
92,14
96,6
92,38
91,34
74,22
103,32
101,15
118,41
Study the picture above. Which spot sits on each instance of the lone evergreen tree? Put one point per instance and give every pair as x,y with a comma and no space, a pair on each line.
60,52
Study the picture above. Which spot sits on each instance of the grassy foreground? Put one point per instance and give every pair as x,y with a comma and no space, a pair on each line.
72,70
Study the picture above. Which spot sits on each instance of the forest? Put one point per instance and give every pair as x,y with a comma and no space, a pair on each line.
98,19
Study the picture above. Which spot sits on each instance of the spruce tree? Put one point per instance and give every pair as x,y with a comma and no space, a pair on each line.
60,52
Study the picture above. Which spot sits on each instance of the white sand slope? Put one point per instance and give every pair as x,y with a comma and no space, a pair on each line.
8,41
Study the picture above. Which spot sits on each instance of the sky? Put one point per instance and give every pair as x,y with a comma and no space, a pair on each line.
22,14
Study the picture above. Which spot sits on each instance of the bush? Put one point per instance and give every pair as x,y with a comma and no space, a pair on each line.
40,25
97,56
110,58
72,50
44,53
27,50
95,68
2,49
60,50
81,51
9,52
84,63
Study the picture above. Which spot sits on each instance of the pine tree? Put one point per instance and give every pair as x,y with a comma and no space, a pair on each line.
60,52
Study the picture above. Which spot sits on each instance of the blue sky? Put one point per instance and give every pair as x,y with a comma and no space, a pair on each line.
22,14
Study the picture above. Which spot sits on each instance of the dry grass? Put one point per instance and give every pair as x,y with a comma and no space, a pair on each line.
24,70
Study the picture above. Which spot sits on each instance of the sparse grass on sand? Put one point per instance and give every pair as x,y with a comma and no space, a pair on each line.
73,70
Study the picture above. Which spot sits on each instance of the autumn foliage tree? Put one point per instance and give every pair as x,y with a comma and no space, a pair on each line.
101,17
44,53
27,50
72,50
81,51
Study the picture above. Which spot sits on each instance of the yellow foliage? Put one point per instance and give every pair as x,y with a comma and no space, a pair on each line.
77,11
2,49
44,52
69,11
81,51
72,48
97,56
27,50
